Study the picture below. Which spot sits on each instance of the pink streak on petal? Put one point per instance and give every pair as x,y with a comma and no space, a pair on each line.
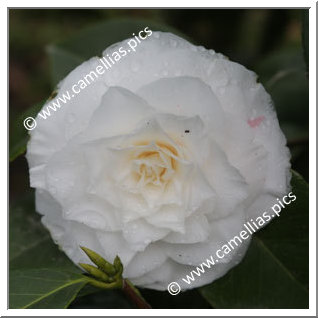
256,121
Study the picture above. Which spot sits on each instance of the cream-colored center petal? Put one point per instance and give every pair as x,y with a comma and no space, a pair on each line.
154,164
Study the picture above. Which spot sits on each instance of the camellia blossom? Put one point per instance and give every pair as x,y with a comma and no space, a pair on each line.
161,160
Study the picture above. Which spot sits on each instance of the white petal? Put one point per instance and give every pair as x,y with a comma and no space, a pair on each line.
114,244
140,234
174,57
169,217
230,187
119,113
66,176
68,120
143,262
197,229
37,176
220,232
69,235
94,212
184,96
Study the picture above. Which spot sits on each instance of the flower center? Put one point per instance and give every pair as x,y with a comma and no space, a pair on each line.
154,163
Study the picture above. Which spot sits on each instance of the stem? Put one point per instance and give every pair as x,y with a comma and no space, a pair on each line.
134,295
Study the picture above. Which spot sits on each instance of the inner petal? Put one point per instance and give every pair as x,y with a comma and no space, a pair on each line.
154,164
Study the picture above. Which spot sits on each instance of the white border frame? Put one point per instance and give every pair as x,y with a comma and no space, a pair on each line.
312,159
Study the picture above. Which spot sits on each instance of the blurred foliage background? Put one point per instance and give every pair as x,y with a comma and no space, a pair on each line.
267,41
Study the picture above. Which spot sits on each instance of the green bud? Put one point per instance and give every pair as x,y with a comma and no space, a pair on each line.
118,264
119,267
92,270
101,263
113,285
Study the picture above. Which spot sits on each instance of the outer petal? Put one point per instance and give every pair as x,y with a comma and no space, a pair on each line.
69,235
140,234
68,120
221,231
146,261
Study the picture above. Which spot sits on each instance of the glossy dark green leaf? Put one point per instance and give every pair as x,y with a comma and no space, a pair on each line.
284,77
92,41
30,244
19,135
274,272
43,288
41,276
283,74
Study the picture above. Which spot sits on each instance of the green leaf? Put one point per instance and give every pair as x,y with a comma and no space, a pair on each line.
89,290
283,74
43,288
41,276
92,41
274,272
62,62
284,77
30,244
19,135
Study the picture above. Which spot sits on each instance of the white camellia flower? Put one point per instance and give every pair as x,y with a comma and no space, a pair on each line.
160,161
